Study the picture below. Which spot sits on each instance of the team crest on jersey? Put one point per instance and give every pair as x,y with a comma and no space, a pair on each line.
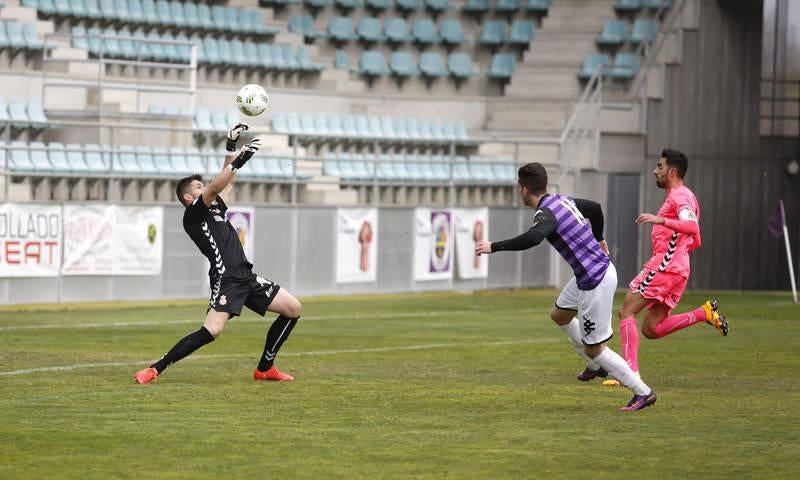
223,300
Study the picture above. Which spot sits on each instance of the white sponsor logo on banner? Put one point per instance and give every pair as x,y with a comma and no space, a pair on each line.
356,245
472,225
433,244
112,240
30,240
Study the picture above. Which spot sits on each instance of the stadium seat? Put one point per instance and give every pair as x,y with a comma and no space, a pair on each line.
346,5
341,29
75,158
644,31
96,160
538,6
396,30
460,65
162,163
372,63
204,16
493,33
304,59
4,117
185,50
92,9
109,9
58,158
507,6
369,29
36,113
144,158
476,6
211,49
15,36
335,125
340,60
431,65
195,161
522,32
177,159
150,13
408,5
304,25
656,4
125,160
379,4
626,66
403,64
614,34
502,66
111,46
126,46
318,4
591,63
424,31
362,127
62,7
37,155
451,32
437,6
400,128
628,5
202,120
165,14
18,115
20,158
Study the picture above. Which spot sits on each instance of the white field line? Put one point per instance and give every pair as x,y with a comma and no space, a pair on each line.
199,321
429,346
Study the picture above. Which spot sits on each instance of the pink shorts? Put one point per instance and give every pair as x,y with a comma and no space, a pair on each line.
659,287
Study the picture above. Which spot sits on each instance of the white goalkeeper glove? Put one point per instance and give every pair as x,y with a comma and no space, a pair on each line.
247,152
233,135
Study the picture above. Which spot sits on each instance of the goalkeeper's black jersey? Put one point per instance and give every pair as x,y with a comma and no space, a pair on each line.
217,239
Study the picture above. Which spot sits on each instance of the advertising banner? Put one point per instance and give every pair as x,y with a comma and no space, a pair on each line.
30,240
243,221
433,244
356,245
471,226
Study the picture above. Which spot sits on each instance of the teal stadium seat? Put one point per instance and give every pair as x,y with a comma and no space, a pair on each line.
96,160
75,158
306,64
522,32
340,60
400,128
396,30
628,6
4,42
36,113
431,65
340,29
219,17
109,9
125,160
539,7
507,6
370,30
211,49
335,125
626,66
644,31
460,65
349,126
451,32
475,6
126,46
379,4
656,4
4,117
614,34
15,36
408,5
92,9
144,158
18,114
37,155
591,63
195,161
161,160
135,10
318,4
111,46
348,4
204,16
190,15
372,63
424,31
493,33
437,6
304,24
177,158
403,64
150,13
502,66
165,14
58,158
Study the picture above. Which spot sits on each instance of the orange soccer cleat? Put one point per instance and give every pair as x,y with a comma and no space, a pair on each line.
272,374
146,375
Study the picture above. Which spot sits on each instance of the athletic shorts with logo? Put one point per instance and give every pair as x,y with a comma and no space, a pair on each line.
594,307
659,287
255,293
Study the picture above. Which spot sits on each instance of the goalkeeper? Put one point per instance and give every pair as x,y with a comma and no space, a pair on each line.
233,283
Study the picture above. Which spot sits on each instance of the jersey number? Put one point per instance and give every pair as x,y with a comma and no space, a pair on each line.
573,210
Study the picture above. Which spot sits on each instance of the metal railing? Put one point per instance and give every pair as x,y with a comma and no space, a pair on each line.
779,108
53,79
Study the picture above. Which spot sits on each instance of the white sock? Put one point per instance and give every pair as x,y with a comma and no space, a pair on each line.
573,331
619,368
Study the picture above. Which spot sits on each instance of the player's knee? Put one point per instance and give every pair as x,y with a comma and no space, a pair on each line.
649,332
294,309
214,329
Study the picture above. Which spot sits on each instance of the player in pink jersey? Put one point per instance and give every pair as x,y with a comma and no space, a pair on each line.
659,286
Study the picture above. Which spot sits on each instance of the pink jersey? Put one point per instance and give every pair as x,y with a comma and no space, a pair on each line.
671,248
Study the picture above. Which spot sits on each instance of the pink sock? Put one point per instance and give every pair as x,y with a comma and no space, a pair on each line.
629,337
673,323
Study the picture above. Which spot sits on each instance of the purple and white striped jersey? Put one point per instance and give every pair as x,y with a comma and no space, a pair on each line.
574,239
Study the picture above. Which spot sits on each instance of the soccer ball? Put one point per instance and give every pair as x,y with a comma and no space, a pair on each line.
252,100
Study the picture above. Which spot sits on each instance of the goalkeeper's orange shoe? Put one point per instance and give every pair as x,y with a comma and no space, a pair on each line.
272,374
146,375
714,318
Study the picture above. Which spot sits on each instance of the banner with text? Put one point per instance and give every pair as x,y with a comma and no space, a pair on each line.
471,225
30,240
356,245
243,221
112,240
433,244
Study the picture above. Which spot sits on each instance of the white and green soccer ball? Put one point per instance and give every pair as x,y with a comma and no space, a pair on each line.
252,100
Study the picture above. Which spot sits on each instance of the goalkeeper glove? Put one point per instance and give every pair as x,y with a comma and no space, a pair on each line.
233,135
247,152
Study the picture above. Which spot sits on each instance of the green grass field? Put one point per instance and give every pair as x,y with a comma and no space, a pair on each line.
407,386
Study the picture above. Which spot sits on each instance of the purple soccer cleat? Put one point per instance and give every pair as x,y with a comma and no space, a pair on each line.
639,402
589,374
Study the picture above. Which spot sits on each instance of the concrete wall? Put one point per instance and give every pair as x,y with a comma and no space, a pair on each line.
295,246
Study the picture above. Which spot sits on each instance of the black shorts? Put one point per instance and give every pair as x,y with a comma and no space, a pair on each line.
255,293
